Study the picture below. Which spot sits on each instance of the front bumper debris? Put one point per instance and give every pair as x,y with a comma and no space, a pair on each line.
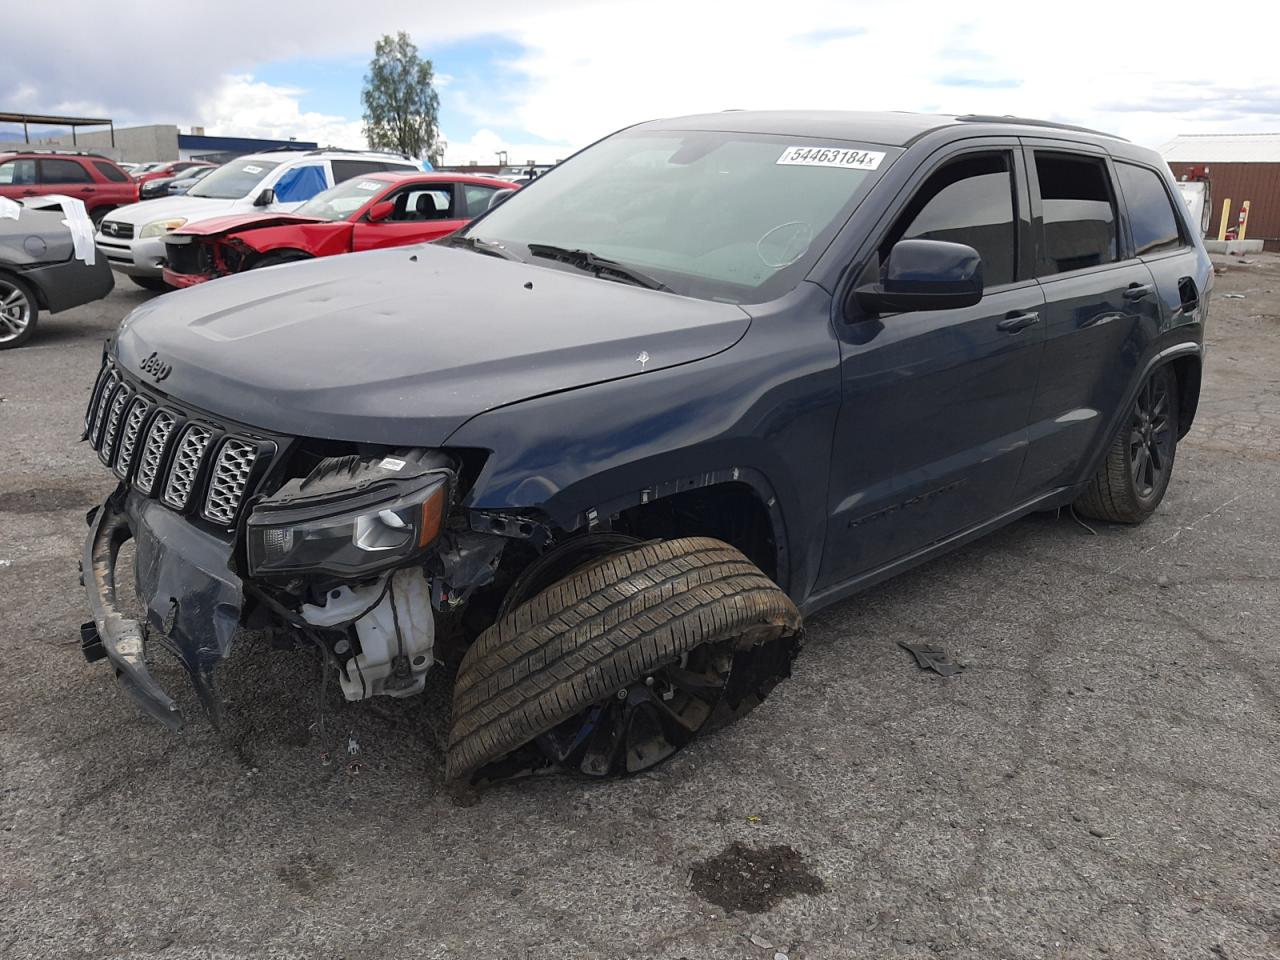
192,597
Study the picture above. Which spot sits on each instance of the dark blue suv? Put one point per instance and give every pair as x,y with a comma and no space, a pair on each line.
598,453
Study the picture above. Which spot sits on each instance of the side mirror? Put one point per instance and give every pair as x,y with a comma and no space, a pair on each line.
381,211
924,275
265,199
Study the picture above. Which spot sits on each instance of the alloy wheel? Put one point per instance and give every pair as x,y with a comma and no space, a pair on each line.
15,312
1151,437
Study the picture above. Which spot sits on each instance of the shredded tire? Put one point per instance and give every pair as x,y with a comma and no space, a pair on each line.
601,628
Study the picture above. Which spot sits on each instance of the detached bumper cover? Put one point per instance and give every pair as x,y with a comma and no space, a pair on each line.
193,600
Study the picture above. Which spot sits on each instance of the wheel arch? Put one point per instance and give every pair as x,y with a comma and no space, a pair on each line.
1187,369
42,301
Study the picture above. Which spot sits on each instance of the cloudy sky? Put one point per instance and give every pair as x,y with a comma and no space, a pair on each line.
542,77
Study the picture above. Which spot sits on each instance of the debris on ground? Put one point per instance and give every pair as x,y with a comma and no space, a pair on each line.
753,880
929,657
1233,296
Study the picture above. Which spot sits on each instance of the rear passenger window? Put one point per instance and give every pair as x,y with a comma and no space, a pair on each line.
111,171
17,173
1079,213
1151,216
967,201
63,171
346,169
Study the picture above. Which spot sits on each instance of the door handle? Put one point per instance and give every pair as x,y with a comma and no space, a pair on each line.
86,190
28,193
1017,322
1138,291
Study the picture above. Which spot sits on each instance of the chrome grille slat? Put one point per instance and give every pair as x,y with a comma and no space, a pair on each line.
112,429
231,473
100,414
153,452
134,419
94,396
186,465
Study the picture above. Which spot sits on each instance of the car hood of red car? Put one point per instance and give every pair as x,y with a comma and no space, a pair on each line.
242,221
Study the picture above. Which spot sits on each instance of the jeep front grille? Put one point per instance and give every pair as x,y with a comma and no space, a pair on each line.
230,477
129,439
112,429
154,450
189,461
186,464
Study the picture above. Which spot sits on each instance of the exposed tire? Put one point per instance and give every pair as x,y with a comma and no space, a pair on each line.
1133,478
154,284
279,257
687,632
19,311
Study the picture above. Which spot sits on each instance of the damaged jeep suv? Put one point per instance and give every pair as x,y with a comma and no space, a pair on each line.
601,450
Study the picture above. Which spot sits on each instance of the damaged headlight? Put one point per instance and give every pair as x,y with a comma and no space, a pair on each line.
351,516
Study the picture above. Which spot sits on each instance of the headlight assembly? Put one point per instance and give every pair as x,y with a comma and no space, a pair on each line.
158,228
351,517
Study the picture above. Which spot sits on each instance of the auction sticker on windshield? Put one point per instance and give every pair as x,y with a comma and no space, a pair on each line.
368,185
831,157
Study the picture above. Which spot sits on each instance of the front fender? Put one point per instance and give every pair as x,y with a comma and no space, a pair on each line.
761,413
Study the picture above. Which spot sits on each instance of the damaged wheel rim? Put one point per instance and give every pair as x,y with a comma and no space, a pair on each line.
645,722
15,312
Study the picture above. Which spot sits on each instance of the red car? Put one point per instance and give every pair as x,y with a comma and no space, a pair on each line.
172,169
97,181
364,213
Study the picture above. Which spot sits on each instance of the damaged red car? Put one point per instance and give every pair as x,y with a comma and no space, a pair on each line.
365,213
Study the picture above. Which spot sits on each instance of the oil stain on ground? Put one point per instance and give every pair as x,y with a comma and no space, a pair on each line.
47,500
753,880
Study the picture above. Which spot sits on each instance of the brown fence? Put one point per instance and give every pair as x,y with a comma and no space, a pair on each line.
1259,183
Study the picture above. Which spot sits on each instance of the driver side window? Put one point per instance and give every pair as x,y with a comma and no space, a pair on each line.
969,200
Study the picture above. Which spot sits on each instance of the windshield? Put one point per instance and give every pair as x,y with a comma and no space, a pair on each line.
340,202
233,180
725,216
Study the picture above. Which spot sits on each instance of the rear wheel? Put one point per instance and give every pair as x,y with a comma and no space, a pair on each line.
154,284
18,312
1135,475
617,666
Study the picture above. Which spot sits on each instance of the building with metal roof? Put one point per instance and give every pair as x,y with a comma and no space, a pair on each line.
1240,167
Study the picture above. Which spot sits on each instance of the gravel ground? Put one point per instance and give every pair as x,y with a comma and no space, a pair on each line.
1101,781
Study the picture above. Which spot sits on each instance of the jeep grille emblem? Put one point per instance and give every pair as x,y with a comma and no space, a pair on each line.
156,367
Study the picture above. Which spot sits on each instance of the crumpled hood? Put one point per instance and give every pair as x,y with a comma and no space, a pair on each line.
403,346
168,208
241,221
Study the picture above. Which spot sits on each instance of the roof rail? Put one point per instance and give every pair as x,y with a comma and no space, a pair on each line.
380,153
1025,122
50,151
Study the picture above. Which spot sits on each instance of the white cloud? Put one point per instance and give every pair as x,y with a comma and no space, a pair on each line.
243,107
483,147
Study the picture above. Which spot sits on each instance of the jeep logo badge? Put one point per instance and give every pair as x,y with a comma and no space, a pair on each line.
156,367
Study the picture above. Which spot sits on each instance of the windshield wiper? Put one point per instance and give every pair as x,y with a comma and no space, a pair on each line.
482,246
599,266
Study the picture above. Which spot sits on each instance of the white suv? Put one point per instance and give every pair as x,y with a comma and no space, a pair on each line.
131,238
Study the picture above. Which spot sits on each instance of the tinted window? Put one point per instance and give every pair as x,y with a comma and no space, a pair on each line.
346,169
18,172
476,199
111,171
1079,213
967,201
1151,216
63,171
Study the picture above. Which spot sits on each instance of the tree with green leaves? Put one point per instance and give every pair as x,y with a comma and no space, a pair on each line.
400,101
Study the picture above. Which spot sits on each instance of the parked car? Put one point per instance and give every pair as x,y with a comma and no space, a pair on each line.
170,169
188,180
277,182
40,269
93,179
602,449
156,184
366,213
